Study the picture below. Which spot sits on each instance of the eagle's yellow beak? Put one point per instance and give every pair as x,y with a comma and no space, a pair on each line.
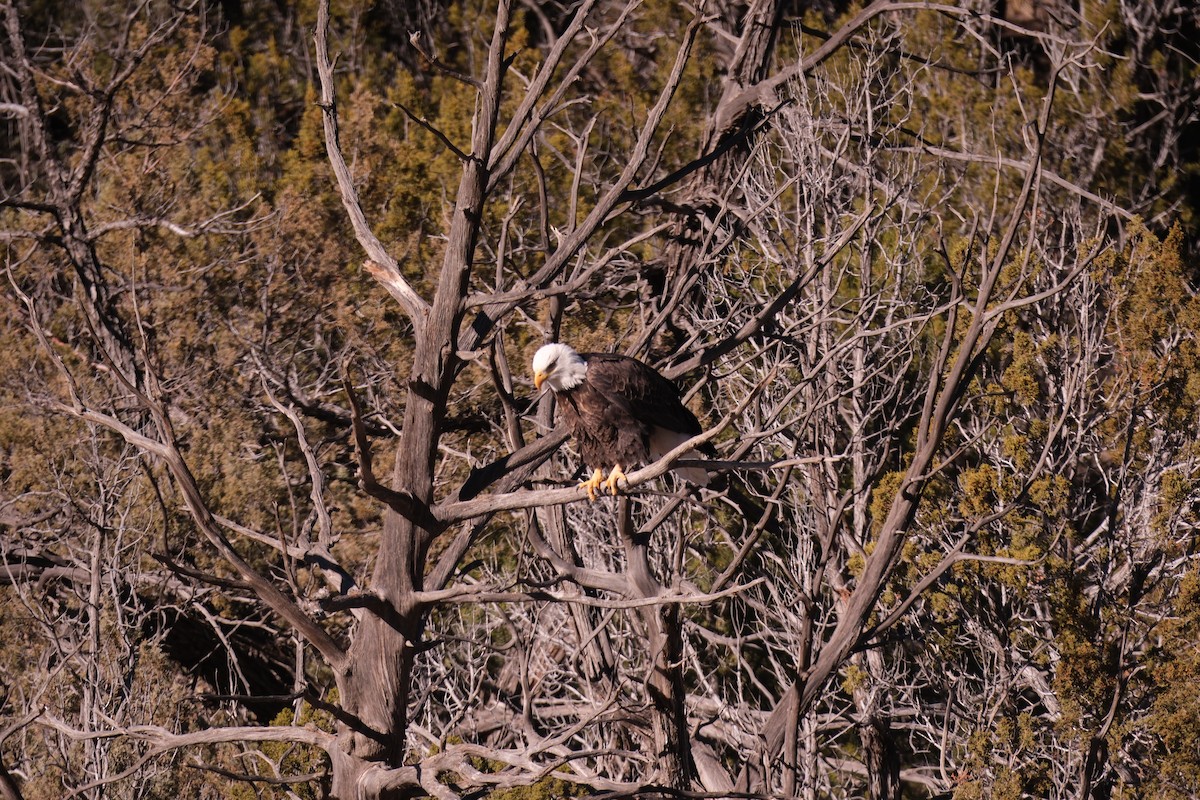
538,380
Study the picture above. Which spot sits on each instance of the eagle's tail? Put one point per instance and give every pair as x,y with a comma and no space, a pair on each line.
663,441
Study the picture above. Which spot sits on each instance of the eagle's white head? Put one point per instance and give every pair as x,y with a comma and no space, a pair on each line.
559,366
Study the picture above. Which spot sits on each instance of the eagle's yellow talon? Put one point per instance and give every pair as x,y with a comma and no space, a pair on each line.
592,484
613,477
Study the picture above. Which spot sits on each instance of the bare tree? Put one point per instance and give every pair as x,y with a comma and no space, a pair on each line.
904,330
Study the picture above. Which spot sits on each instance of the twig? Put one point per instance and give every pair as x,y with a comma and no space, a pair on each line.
427,125
414,39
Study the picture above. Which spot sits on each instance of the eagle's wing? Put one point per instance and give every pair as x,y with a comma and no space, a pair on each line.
645,411
641,392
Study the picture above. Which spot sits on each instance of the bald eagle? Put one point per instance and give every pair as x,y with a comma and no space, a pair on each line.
622,413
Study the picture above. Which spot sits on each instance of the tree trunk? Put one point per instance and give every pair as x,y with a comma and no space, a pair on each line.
664,643
377,684
8,785
880,758
1091,787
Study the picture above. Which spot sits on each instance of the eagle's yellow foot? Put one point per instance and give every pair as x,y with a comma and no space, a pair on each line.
613,477
592,484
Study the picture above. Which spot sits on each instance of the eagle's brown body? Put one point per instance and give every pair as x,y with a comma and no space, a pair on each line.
622,411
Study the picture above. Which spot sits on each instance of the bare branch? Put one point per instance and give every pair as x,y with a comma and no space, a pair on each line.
483,594
382,266
448,513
